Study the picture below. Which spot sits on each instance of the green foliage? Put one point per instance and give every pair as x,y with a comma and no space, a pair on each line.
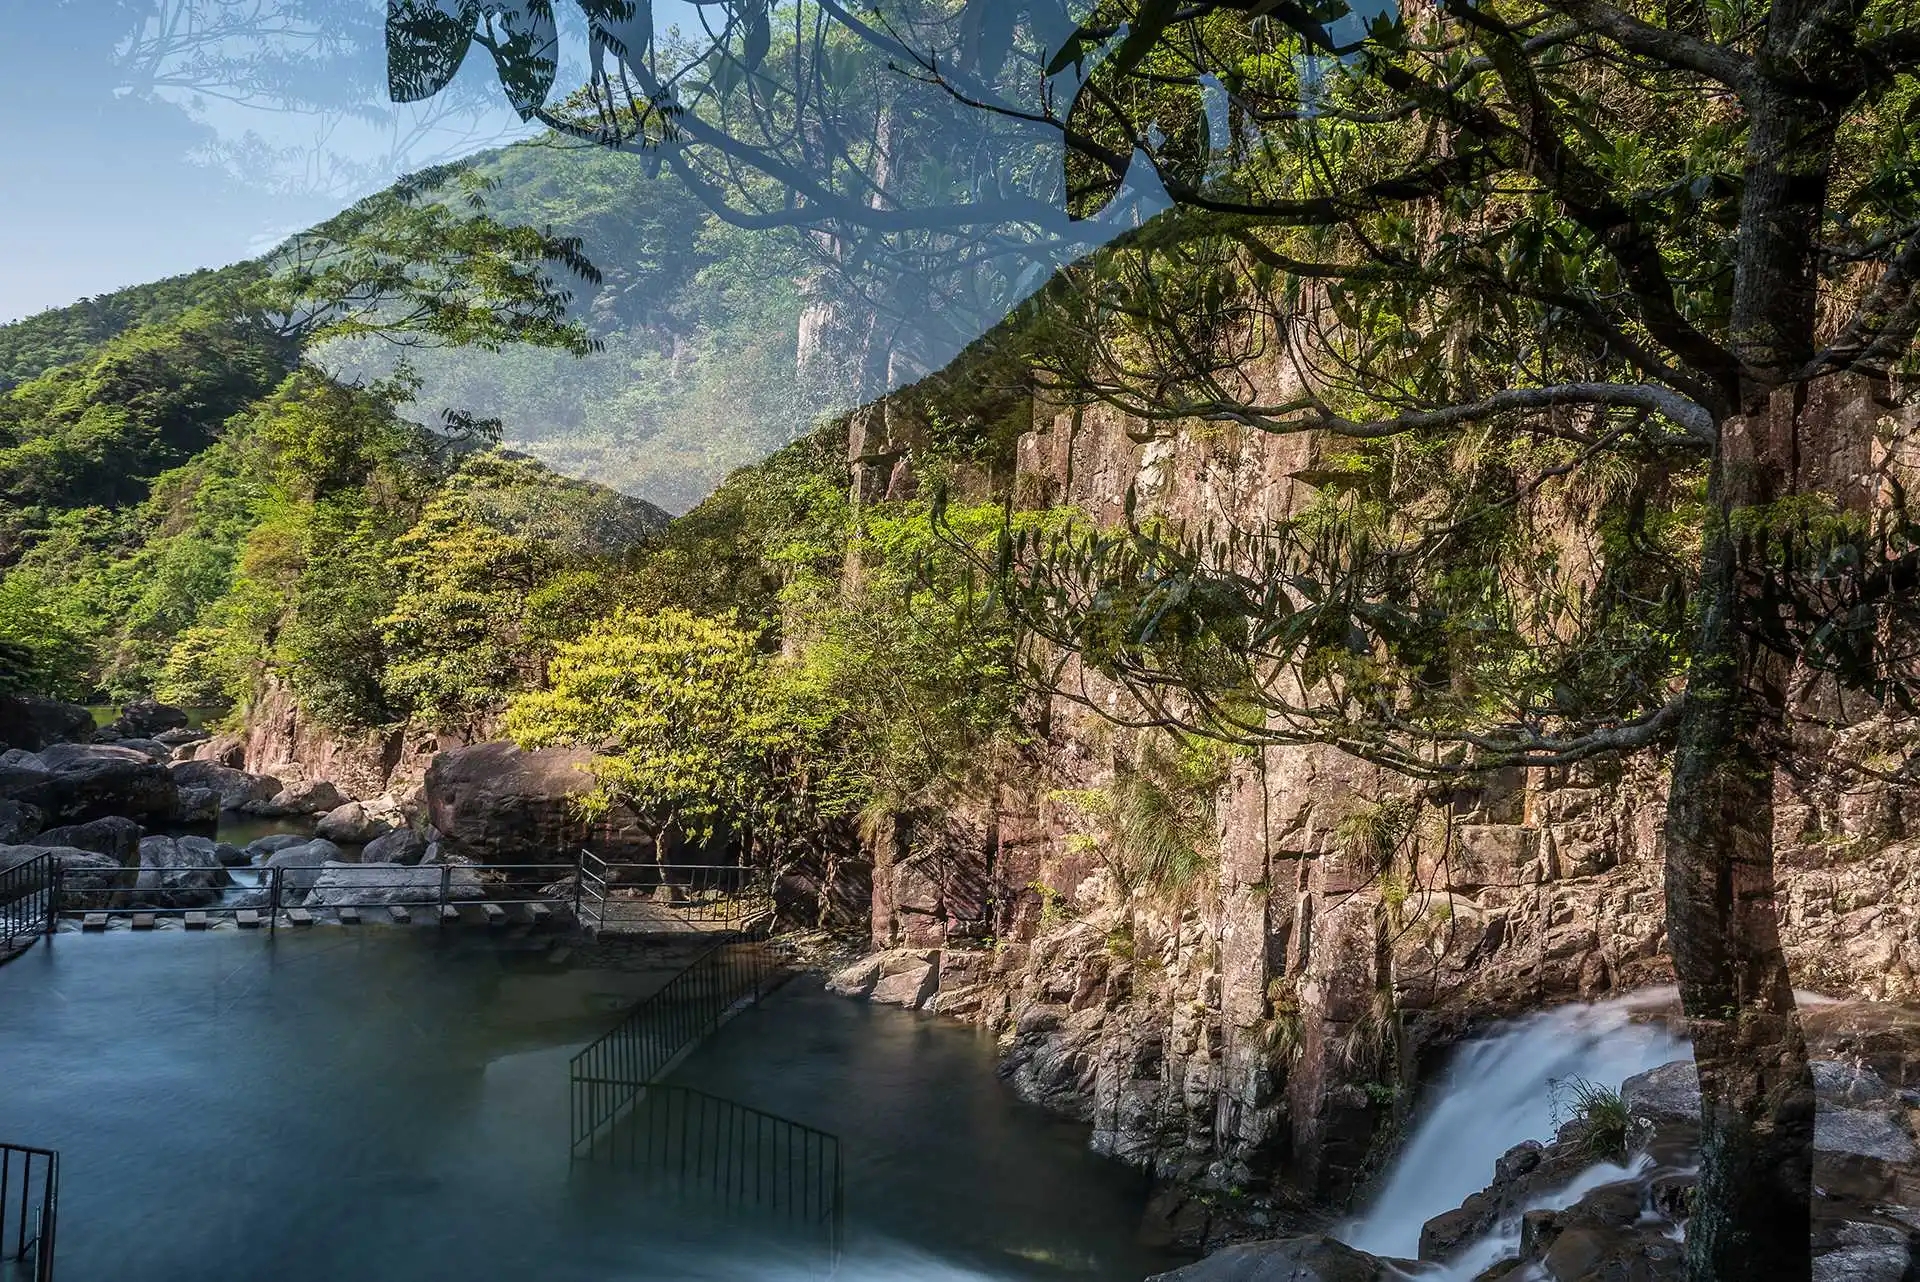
1603,1126
1155,826
73,334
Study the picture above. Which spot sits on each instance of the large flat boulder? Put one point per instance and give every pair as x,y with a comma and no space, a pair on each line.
374,885
300,867
144,718
497,803
305,797
401,846
352,824
74,782
31,722
113,835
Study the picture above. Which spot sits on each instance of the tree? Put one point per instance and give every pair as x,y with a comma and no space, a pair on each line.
1682,241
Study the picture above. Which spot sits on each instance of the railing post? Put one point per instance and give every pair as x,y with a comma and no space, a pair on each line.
579,881
446,890
55,885
273,900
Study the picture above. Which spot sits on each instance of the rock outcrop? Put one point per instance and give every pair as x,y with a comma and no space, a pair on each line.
178,872
351,824
235,788
74,782
496,803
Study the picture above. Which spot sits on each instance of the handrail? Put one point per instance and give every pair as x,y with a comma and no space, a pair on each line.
612,1072
29,895
27,1223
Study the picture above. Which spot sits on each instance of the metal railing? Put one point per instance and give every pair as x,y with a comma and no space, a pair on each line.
645,898
323,889
611,1073
29,896
701,1145
29,1212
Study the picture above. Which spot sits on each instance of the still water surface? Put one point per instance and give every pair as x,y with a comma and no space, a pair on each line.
390,1104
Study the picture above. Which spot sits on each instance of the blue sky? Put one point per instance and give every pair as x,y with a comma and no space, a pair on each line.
121,164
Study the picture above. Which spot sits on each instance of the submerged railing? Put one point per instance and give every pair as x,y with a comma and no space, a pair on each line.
29,1212
610,1075
29,899
700,1145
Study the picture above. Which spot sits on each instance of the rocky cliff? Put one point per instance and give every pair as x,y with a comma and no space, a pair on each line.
1260,1032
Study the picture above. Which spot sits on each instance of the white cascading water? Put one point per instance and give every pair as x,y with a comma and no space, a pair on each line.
1497,1092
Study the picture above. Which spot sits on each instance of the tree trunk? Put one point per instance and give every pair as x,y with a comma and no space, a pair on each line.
1752,1214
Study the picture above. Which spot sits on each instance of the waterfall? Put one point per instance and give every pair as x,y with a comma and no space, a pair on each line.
1497,1092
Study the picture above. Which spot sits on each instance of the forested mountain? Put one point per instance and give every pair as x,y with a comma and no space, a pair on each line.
31,347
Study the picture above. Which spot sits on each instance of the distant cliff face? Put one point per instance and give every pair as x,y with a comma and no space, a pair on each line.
1264,1034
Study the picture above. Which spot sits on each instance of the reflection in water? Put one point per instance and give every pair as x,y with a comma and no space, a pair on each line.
393,1105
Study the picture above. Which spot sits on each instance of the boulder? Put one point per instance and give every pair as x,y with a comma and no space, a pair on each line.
178,872
500,804
366,885
197,807
113,836
221,750
352,824
1304,1259
180,738
144,718
1670,1093
85,874
236,787
18,822
152,749
75,782
401,846
301,866
230,855
261,847
31,722
316,797
858,979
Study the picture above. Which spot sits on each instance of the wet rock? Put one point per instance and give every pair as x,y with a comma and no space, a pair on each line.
181,737
1848,1085
156,752
235,787
113,836
177,872
230,855
32,723
362,885
401,846
1881,1263
352,824
1307,1259
906,979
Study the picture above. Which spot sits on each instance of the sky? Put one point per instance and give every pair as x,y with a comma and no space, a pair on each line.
128,155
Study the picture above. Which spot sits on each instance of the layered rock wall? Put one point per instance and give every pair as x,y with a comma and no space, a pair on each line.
1262,1033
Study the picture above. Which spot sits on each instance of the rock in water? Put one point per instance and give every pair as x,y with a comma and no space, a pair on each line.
198,807
260,848
181,872
144,718
352,824
1302,1259
306,798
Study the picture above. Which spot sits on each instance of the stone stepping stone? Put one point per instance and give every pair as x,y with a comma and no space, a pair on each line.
197,920
249,918
299,916
539,914
94,921
349,916
401,916
449,914
143,921
496,915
